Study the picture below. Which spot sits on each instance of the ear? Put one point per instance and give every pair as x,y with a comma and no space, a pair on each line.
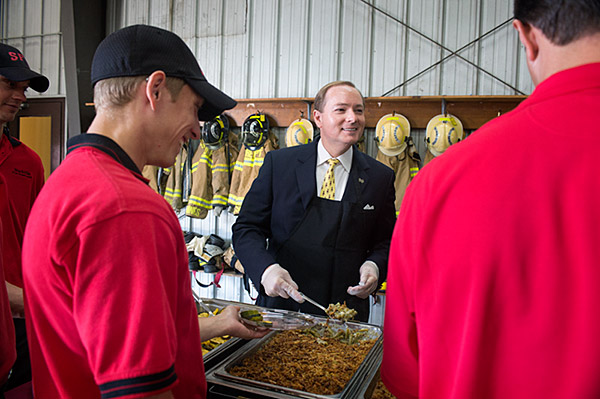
317,118
529,38
155,84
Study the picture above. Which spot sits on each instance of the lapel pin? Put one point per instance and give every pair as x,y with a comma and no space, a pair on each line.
360,180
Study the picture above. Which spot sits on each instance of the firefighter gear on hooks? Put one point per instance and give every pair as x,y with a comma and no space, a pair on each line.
211,176
391,134
405,166
361,144
215,132
255,131
301,131
174,192
246,169
442,132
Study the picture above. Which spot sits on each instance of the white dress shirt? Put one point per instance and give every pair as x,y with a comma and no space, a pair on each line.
341,171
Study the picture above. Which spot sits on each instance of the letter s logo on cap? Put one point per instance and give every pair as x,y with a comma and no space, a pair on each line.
15,56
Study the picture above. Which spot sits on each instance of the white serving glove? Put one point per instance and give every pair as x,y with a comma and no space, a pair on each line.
369,275
278,282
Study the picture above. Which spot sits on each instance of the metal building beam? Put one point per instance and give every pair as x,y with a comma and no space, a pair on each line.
83,24
452,52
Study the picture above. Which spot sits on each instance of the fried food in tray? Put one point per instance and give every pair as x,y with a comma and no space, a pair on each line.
320,359
213,343
381,392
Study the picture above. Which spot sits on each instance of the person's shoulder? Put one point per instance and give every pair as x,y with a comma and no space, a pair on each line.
26,152
90,177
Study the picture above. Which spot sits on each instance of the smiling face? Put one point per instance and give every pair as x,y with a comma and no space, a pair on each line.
12,95
341,120
178,122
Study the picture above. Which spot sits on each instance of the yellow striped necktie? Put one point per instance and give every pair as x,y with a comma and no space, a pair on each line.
328,188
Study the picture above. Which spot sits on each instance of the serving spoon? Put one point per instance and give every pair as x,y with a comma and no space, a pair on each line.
314,303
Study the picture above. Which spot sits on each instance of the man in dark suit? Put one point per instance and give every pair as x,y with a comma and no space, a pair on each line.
331,242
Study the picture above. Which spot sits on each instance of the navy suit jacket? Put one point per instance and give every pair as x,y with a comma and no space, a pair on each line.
283,190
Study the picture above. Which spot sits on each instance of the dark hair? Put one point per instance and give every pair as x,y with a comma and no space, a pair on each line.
561,21
320,97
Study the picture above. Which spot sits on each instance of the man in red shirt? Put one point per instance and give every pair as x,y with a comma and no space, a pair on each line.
23,175
108,291
7,331
493,281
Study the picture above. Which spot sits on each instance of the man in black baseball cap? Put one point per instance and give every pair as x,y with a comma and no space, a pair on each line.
14,67
104,262
15,78
22,171
142,49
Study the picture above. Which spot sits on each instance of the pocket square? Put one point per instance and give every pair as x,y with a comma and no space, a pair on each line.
369,207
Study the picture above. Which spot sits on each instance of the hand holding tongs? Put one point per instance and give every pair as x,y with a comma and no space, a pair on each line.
314,303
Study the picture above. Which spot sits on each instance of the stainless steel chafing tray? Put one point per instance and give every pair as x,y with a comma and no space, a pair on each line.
355,388
371,376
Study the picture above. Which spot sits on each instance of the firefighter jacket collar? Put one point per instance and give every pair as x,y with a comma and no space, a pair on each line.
107,146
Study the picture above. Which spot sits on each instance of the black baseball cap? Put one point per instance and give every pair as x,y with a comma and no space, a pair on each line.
139,50
13,66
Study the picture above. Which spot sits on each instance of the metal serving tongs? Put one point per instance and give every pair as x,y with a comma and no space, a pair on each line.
202,304
314,303
330,317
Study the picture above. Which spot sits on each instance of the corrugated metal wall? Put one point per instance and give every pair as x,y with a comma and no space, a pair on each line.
290,48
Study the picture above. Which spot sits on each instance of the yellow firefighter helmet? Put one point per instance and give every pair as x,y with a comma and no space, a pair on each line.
301,131
442,132
391,133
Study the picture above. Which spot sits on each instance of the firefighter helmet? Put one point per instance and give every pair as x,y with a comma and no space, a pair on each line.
391,134
442,132
255,131
215,132
301,131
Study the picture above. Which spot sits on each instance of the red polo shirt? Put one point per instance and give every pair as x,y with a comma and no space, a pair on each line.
7,330
23,173
107,287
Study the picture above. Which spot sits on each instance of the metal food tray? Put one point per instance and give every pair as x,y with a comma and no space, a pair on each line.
363,376
214,303
371,376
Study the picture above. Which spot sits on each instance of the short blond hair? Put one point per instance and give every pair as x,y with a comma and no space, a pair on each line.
116,92
319,101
